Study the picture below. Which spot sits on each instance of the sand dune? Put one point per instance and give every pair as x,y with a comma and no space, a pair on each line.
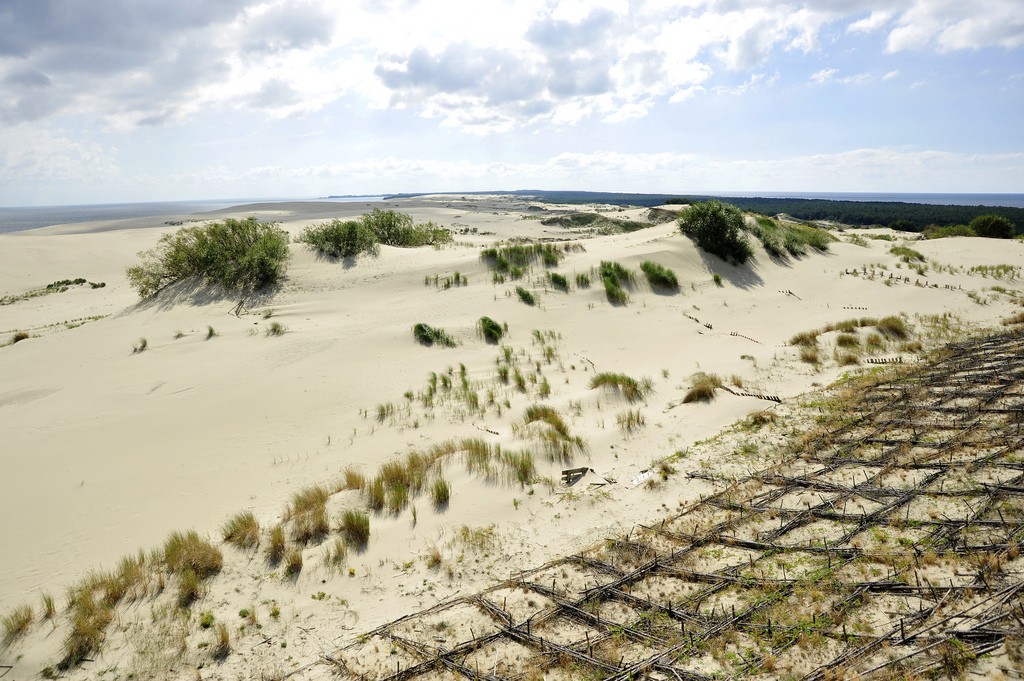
106,450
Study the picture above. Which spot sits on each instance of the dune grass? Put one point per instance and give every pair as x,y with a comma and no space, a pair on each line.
781,240
189,552
440,492
276,329
632,389
428,335
491,330
355,526
525,296
88,622
702,387
221,641
308,513
583,280
513,260
276,546
615,278
659,276
630,420
559,281
293,561
907,254
17,622
242,530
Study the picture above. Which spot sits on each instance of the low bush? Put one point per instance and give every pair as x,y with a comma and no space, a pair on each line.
397,229
717,228
341,239
238,255
428,335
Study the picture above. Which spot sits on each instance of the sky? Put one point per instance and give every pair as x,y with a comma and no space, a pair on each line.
150,100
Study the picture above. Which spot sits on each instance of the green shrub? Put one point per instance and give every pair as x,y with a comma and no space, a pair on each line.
525,296
659,275
937,232
717,228
238,255
397,229
992,226
341,239
428,335
491,330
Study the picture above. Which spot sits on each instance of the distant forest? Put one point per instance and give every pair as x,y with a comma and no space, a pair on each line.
912,217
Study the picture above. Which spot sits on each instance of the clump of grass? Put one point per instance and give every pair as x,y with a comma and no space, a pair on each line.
702,387
336,555
907,254
583,280
434,557
276,547
353,479
188,551
440,492
525,296
49,608
892,327
805,338
428,335
242,530
630,420
717,278
558,281
810,355
140,346
293,561
18,337
190,588
848,340
89,620
520,466
630,388
308,513
513,260
614,277
376,495
1014,319
559,443
659,276
222,641
355,525
210,332
17,622
491,330
276,329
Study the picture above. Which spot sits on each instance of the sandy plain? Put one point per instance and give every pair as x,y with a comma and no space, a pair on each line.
106,451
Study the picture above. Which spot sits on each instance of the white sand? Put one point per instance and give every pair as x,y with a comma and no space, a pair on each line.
105,452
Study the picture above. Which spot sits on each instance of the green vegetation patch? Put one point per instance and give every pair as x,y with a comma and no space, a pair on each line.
659,276
786,239
238,255
600,223
428,335
341,239
717,228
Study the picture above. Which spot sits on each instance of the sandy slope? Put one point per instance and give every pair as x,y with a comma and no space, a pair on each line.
105,451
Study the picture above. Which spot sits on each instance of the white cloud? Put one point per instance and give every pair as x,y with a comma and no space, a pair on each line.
823,76
890,75
950,25
874,21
